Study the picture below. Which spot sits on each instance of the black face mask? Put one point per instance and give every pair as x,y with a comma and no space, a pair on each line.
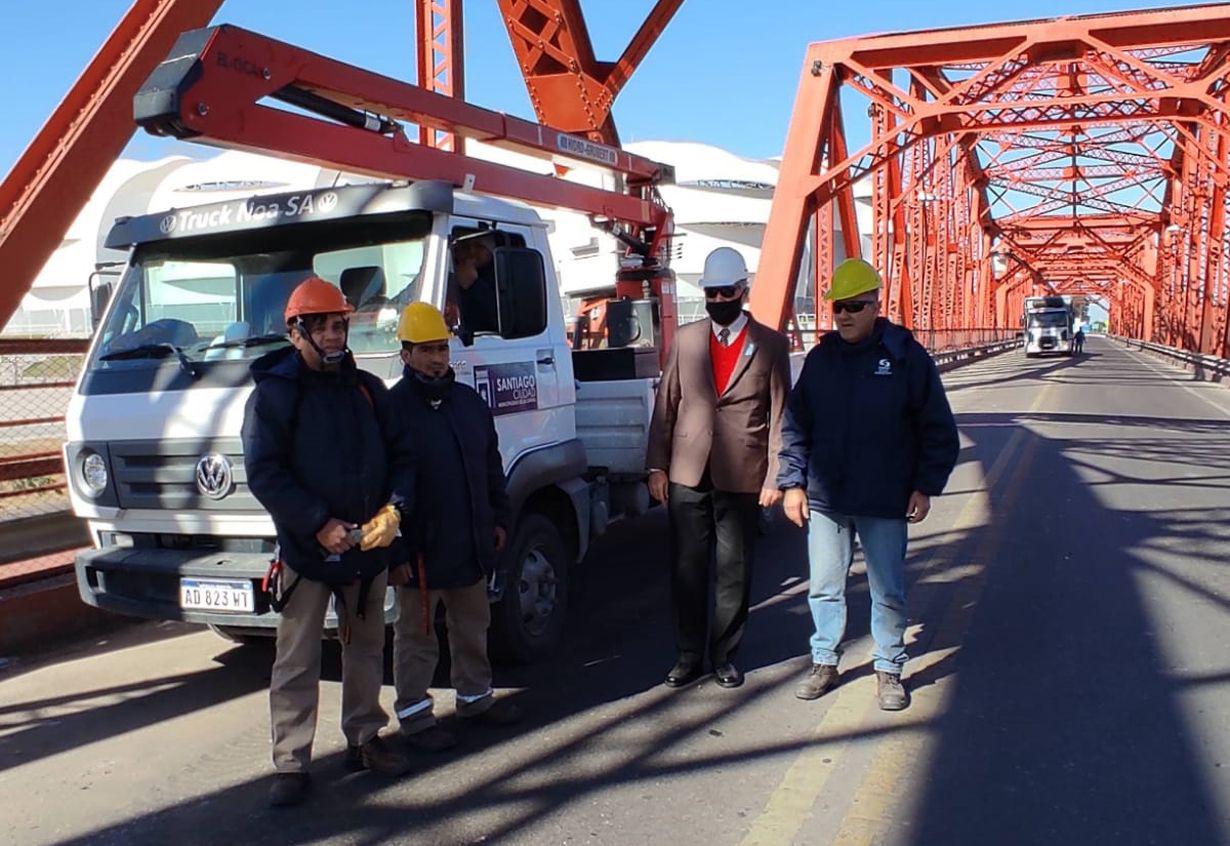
434,390
724,313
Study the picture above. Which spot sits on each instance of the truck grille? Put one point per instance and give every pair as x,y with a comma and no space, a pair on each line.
163,475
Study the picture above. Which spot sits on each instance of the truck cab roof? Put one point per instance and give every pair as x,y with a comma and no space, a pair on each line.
319,205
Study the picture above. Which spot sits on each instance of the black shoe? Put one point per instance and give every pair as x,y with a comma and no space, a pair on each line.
430,739
289,789
728,675
683,673
501,713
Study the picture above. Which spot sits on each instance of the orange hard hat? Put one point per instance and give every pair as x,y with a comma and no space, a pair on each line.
316,296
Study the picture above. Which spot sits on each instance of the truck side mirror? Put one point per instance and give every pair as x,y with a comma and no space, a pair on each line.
100,295
521,292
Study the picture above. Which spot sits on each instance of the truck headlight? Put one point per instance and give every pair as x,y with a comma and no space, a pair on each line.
93,473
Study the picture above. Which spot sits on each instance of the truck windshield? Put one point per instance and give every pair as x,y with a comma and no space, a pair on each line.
218,299
1048,320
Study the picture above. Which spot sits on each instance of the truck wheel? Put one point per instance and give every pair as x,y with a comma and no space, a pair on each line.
528,622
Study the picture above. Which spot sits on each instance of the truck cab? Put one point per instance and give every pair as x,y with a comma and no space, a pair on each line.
1048,326
153,454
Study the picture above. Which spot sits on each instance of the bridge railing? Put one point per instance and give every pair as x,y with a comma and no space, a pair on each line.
1208,367
36,381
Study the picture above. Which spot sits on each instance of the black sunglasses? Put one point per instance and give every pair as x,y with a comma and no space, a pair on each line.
852,306
725,291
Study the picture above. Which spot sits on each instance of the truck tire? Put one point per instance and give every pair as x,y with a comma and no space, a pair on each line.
527,623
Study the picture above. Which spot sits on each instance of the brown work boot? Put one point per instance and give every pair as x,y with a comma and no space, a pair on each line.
380,756
820,680
891,692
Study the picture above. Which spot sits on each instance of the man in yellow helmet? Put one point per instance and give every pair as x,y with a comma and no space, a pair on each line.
451,544
867,440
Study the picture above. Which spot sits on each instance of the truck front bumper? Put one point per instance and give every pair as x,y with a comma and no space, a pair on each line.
144,582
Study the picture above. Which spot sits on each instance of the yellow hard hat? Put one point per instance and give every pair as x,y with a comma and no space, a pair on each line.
851,278
421,323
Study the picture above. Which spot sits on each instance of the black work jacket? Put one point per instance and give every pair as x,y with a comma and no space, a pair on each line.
868,424
314,448
459,488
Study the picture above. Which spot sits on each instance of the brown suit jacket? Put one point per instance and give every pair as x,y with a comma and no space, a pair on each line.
738,434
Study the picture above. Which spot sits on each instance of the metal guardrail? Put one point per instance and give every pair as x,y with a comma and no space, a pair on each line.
936,341
941,341
36,380
1203,365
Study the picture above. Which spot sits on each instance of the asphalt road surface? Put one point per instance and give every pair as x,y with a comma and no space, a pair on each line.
1070,619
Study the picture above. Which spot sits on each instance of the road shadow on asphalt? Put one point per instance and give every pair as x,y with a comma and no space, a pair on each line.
1064,723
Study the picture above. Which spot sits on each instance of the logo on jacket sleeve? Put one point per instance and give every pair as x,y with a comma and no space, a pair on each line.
884,368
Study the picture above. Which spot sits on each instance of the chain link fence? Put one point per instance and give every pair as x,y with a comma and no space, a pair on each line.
36,382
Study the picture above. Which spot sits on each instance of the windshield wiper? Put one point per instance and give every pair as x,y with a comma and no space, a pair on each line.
159,350
257,341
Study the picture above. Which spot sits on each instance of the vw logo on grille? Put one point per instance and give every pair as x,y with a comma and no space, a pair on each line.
213,475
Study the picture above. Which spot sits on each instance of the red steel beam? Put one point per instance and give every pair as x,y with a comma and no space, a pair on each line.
568,86
58,171
440,59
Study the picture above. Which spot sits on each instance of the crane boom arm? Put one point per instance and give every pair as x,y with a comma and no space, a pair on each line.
228,87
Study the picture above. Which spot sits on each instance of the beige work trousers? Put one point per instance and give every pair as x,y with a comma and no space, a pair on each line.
294,689
467,614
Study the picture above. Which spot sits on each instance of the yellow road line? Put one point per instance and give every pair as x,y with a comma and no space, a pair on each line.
791,802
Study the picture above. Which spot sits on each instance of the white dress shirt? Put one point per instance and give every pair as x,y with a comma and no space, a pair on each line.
733,329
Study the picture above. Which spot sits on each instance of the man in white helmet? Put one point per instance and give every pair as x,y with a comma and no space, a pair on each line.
713,451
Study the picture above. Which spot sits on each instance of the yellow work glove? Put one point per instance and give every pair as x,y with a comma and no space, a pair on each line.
379,531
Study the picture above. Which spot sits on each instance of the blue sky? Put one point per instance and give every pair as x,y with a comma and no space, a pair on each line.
724,72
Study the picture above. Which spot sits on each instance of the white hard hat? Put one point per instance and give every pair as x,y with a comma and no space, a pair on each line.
723,266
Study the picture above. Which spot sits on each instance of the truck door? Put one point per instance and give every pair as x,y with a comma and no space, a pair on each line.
498,301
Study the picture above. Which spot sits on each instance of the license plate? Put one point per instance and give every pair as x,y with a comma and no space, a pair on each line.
216,595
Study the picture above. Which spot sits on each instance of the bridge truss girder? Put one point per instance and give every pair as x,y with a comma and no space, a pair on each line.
1084,156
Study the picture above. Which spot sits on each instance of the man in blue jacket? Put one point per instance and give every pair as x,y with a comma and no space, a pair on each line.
450,547
315,455
868,439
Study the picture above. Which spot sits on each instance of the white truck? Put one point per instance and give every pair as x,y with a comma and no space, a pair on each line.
153,453
1048,325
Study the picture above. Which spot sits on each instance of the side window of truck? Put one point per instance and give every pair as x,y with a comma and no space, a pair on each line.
496,286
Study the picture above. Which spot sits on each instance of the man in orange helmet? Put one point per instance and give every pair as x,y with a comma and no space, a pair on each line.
316,459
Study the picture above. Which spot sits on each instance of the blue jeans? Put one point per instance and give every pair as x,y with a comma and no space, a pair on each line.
830,548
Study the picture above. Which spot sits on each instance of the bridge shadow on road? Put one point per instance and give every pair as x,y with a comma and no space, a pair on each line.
1065,723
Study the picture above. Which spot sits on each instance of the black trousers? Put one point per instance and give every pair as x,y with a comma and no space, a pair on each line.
711,524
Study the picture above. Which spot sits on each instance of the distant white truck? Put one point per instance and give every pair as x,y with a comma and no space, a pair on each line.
154,456
1049,326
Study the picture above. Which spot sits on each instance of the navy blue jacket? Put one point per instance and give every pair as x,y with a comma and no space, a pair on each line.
868,424
314,448
459,490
